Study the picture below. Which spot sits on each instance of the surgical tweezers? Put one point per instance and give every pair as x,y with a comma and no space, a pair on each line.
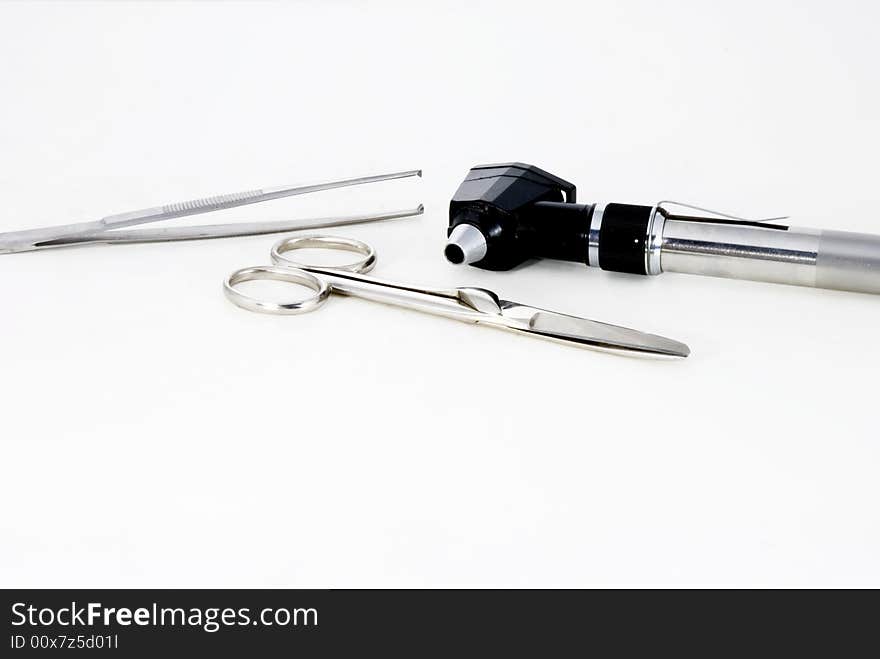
107,229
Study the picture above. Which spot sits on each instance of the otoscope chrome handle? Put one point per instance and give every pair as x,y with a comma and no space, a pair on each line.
786,255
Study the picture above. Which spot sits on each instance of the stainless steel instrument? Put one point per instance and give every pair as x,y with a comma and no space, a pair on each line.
503,215
761,251
467,304
107,230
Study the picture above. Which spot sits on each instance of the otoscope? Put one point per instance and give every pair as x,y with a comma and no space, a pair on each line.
503,215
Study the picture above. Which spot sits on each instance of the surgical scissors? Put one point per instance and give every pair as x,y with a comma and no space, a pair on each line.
467,304
107,229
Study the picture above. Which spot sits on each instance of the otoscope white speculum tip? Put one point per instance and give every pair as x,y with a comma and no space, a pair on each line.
466,244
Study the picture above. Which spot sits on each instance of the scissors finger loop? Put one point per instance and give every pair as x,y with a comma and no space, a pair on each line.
365,264
276,273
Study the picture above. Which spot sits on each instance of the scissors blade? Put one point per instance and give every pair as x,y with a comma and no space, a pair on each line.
590,333
481,306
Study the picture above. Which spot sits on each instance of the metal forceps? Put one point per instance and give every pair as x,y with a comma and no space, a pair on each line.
467,304
107,230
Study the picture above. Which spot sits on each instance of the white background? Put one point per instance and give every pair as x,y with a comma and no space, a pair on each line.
154,434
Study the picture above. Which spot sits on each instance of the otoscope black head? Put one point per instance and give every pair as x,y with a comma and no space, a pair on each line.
502,215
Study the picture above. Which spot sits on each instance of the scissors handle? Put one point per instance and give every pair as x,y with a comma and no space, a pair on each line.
323,281
347,280
276,273
287,270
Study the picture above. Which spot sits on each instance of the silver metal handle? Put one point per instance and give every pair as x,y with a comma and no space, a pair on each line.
800,256
848,261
